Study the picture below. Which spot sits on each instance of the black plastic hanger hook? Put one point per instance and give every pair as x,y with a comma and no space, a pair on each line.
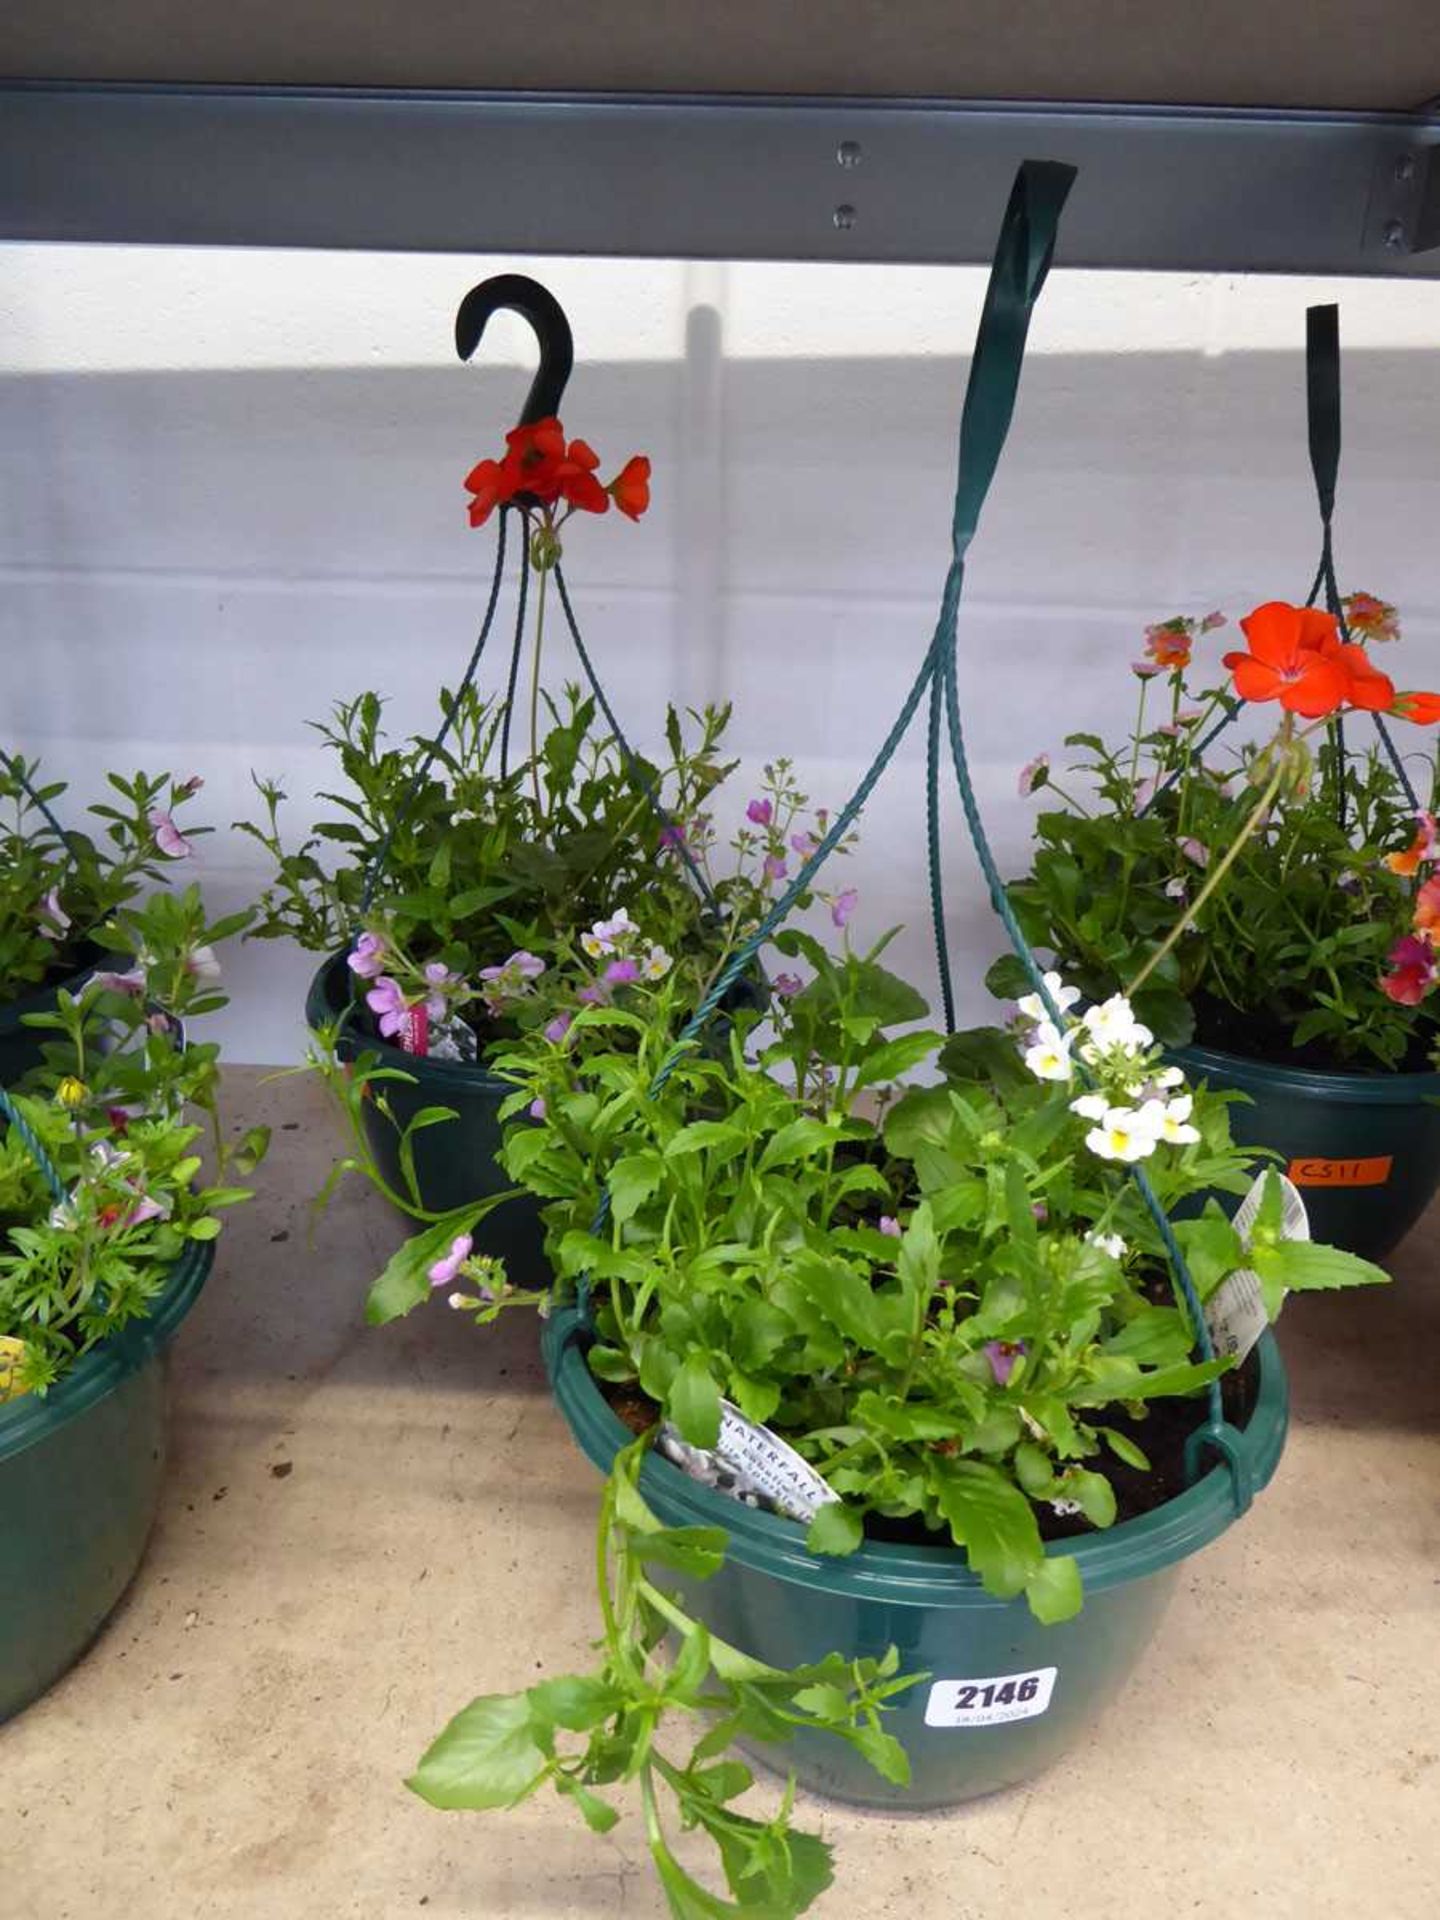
539,306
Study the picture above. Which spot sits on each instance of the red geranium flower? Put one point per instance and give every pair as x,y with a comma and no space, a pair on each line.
1422,708
630,489
1292,659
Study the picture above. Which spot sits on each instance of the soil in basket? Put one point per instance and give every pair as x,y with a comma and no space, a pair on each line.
1161,1434
1260,1036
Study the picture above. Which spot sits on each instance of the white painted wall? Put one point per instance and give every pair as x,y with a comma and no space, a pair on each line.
230,493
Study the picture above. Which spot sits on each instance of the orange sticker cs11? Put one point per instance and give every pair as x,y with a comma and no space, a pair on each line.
1342,1173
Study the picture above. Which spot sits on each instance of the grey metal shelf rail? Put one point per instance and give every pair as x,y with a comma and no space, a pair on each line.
705,176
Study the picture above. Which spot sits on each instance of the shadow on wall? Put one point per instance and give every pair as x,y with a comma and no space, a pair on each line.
196,564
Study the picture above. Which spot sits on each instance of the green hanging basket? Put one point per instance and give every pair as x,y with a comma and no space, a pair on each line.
1043,1686
80,1478
455,1162
1363,1148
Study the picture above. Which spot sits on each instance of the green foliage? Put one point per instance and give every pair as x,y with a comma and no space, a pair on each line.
659,1674
857,1274
477,863
87,877
112,1107
1295,937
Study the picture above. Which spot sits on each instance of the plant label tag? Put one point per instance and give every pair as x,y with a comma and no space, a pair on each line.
991,1702
753,1465
1294,1220
1235,1314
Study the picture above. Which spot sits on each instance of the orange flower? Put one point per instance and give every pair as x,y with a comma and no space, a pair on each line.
1422,847
1422,708
630,489
1293,659
1167,643
1427,909
1371,617
1371,690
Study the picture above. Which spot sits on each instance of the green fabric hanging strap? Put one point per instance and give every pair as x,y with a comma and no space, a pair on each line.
25,1134
1023,255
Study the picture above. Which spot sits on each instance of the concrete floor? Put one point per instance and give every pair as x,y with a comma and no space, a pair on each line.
364,1529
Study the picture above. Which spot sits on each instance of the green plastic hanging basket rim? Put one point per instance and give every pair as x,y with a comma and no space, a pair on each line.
903,1575
97,1373
330,999
42,998
1380,1089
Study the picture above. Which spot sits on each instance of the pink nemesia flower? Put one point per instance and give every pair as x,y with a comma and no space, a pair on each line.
1212,621
368,958
1002,1355
621,973
775,866
437,977
559,1027
387,1000
890,1226
760,813
804,844
54,921
672,838
188,787
843,905
593,995
1195,850
1145,669
787,985
446,1269
168,837
145,1208
201,964
132,985
536,1109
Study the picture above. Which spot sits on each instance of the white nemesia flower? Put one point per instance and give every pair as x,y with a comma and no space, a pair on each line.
1176,889
459,1301
1048,1055
591,942
1091,1106
1110,1243
1066,1507
1169,1077
606,935
1126,1133
656,964
1033,1007
1112,1025
1171,1120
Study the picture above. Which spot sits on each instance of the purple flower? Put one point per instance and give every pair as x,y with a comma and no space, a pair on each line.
168,837
1144,793
559,1027
536,1109
387,1000
1002,1355
189,786
144,1209
672,837
1035,773
843,905
760,813
787,985
774,866
804,844
593,996
621,973
1195,850
368,958
447,1267
1040,1210
890,1226
1146,669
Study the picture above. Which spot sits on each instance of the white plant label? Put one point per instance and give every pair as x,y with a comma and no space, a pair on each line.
1235,1312
991,1702
752,1465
